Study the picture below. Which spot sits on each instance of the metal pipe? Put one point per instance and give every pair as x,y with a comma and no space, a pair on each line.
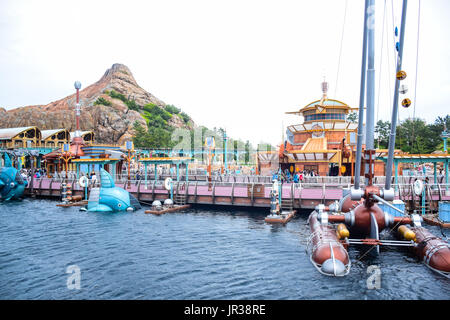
370,94
391,147
361,101
387,203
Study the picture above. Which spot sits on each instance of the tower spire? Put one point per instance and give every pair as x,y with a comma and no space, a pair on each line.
324,91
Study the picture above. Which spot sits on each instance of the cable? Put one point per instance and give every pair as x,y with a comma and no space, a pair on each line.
417,66
381,62
340,49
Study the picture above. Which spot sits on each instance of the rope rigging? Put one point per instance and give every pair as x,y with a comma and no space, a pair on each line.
417,66
381,62
340,49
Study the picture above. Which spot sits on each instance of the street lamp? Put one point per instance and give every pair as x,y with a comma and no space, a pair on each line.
77,138
130,155
66,156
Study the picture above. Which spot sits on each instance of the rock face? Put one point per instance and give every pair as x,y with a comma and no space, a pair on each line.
111,124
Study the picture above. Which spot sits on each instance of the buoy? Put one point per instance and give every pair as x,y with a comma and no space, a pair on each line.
83,181
167,183
403,89
406,103
156,203
418,187
406,233
168,202
342,231
401,75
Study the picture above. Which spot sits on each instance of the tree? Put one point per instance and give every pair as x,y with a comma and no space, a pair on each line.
352,117
414,136
382,130
155,137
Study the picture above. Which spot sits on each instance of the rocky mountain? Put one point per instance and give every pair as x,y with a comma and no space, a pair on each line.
110,107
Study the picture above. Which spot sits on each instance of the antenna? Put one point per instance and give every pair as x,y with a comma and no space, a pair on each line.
324,91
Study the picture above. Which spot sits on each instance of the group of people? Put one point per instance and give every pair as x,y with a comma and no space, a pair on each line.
287,176
26,173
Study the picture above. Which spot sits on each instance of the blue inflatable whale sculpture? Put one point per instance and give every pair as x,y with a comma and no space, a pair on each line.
12,185
109,198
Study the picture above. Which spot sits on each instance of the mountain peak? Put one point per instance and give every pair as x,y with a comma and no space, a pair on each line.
120,71
112,121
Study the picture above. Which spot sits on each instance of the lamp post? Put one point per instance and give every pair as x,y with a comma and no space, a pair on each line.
66,156
128,158
445,135
210,144
77,139
225,141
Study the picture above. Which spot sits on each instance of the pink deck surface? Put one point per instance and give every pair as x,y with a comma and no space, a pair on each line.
226,191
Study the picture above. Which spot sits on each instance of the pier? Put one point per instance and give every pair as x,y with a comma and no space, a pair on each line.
248,190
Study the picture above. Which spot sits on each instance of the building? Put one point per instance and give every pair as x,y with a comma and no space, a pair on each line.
23,137
55,138
324,142
88,136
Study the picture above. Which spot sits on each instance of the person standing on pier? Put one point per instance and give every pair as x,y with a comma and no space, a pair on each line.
93,179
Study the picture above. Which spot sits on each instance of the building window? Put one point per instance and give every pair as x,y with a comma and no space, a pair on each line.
327,116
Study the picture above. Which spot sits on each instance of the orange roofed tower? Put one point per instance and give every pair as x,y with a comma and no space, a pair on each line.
323,142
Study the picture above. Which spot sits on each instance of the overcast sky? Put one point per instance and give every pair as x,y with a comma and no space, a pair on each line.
233,64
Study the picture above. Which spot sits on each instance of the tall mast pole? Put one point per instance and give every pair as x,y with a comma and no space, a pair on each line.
361,101
390,159
370,120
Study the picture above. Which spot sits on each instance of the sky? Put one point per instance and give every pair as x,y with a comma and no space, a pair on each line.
239,65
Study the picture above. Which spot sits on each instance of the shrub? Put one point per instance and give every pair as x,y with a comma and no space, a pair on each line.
172,109
185,117
102,101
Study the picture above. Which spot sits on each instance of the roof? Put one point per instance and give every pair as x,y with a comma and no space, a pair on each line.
48,133
9,133
91,160
161,160
418,157
311,156
314,144
72,134
327,103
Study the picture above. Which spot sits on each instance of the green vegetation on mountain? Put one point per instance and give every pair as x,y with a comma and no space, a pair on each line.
102,101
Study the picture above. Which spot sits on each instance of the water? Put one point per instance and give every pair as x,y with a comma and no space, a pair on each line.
202,254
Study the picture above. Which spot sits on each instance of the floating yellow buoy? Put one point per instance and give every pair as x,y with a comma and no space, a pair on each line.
342,231
406,103
406,233
401,75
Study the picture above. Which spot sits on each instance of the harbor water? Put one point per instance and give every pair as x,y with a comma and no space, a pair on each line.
203,253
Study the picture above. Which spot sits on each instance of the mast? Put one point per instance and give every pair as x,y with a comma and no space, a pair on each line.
361,101
370,95
390,159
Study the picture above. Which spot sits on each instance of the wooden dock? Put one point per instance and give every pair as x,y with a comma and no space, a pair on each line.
433,219
298,195
73,204
168,210
283,218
